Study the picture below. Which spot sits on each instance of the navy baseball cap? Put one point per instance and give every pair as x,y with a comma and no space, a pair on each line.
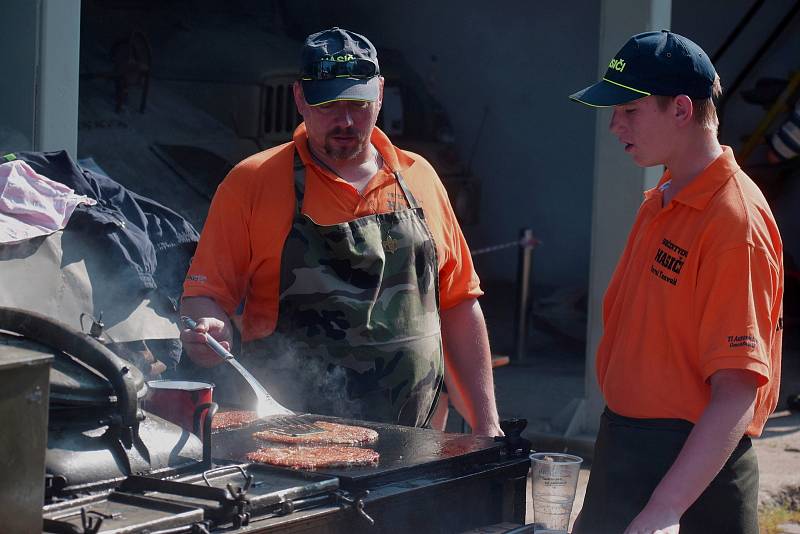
652,63
339,65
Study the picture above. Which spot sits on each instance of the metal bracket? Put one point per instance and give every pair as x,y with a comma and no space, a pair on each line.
97,328
201,528
285,507
242,503
91,525
356,502
515,444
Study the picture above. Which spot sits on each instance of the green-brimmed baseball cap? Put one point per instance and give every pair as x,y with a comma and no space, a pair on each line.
652,63
339,65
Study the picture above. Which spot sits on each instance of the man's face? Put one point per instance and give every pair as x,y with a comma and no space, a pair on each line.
644,129
341,129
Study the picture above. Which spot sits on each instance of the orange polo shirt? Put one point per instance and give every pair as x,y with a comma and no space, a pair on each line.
239,253
699,288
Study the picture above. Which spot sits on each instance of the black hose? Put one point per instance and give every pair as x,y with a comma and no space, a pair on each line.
125,379
744,21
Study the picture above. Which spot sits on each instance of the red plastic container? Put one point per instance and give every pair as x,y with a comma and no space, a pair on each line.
177,400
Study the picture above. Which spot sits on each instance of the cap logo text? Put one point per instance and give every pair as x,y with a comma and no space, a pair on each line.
617,64
343,57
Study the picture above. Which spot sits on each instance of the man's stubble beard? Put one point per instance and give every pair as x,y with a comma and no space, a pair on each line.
345,154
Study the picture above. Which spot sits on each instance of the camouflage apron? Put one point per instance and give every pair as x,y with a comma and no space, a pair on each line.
358,332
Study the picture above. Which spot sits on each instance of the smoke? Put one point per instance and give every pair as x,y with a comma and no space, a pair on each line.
302,382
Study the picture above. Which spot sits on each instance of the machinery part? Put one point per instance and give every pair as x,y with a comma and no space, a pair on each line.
87,349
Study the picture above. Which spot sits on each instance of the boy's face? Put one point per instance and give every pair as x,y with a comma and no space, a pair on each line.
644,129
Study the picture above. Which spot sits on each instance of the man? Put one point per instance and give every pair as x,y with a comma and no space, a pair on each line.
689,361
346,257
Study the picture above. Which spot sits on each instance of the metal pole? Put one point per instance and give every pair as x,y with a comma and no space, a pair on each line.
523,292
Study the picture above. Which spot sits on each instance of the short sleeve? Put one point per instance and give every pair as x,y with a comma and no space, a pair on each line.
735,303
218,269
458,280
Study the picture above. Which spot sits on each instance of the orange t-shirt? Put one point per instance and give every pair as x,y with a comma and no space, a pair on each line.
239,255
699,288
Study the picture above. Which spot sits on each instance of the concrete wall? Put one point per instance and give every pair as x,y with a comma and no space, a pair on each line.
19,45
57,94
519,61
39,93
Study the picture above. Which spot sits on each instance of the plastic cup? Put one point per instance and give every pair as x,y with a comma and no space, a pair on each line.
554,479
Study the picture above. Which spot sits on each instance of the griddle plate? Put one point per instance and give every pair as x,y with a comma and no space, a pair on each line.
403,451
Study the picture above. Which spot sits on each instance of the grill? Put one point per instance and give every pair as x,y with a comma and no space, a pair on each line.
112,467
426,481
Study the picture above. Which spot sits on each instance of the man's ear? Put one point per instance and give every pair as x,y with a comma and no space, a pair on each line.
380,94
299,98
683,109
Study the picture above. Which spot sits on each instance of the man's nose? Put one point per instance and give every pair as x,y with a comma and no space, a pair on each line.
343,116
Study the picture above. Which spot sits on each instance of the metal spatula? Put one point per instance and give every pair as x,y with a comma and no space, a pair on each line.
278,418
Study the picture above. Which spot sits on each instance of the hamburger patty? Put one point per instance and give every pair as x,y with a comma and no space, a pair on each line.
314,457
233,419
334,433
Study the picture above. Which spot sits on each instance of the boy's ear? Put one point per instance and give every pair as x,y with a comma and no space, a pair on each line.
683,109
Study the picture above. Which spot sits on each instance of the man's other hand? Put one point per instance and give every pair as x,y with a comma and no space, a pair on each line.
655,519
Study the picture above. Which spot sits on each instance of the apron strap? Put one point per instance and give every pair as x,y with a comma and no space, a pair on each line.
412,202
299,181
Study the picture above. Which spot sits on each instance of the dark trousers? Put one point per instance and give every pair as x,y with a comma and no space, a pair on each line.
631,456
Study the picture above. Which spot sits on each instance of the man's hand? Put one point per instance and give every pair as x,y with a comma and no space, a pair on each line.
194,341
655,519
211,320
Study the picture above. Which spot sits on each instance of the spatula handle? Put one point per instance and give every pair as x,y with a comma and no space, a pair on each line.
266,404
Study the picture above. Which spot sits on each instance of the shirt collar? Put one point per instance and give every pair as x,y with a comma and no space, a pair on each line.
699,192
